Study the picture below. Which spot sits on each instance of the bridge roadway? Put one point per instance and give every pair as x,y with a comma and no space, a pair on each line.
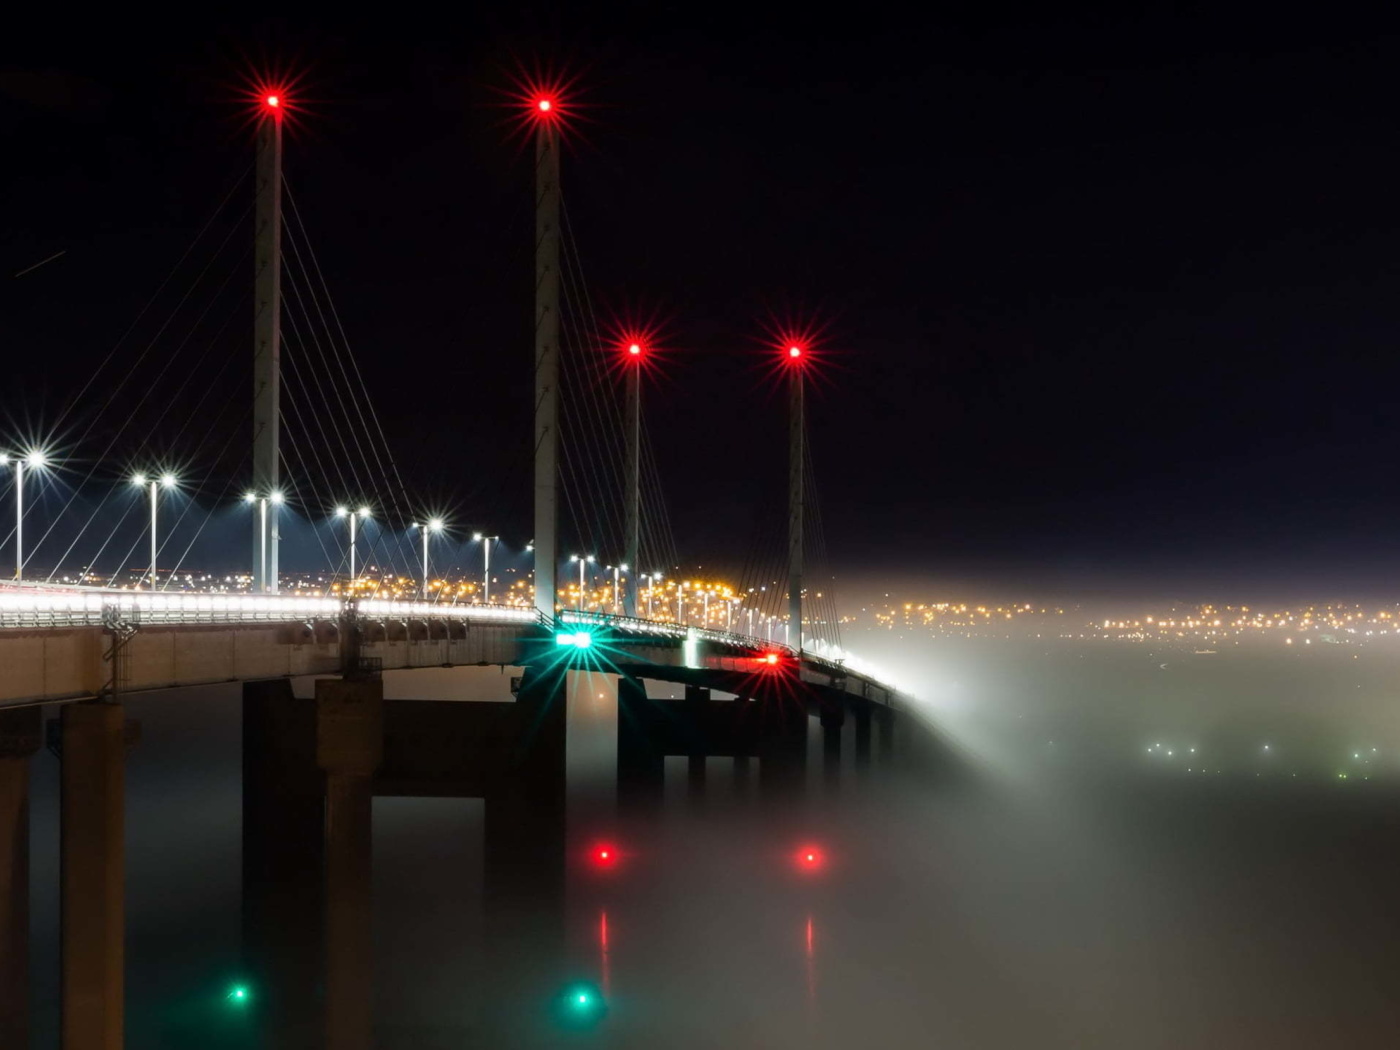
54,642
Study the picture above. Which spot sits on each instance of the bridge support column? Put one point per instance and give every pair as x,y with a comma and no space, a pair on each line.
743,775
283,857
862,717
833,717
525,864
696,699
782,761
641,767
349,747
92,852
20,731
884,736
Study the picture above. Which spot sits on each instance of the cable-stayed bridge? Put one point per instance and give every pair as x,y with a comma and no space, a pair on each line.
558,721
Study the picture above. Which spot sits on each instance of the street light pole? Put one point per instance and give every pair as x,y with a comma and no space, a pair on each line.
34,460
582,560
169,481
486,568
431,526
345,512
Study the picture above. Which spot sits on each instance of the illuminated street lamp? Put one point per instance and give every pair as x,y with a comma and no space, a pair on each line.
156,484
486,541
582,560
359,515
655,578
617,571
433,525
275,499
34,460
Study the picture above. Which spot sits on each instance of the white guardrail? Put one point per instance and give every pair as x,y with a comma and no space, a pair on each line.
90,606
87,607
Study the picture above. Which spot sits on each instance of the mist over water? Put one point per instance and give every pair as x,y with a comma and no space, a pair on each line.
1046,875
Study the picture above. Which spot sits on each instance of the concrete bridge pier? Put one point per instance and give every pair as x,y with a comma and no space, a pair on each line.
782,746
20,732
641,765
832,718
526,861
697,698
349,748
743,775
92,847
861,713
884,736
283,858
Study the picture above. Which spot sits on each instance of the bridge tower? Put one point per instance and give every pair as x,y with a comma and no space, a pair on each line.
545,113
635,352
795,355
267,335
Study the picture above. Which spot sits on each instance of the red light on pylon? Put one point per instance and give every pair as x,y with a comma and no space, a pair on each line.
634,344
794,352
273,101
544,105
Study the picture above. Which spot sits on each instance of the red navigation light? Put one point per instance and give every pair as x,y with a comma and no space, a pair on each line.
273,100
811,858
544,105
771,659
635,350
604,855
794,352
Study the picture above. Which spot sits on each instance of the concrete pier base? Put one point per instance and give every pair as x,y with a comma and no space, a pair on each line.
283,858
20,732
349,748
92,850
862,752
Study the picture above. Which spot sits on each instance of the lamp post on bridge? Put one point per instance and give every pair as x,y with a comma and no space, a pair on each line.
486,570
583,560
354,516
430,526
654,578
156,484
264,578
34,460
617,571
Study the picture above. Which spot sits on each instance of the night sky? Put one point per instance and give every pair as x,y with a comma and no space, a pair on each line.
1102,300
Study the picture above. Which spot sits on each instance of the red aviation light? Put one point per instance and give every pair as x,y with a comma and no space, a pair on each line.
635,349
771,660
273,101
794,352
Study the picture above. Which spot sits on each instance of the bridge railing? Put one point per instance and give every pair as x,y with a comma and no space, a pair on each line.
94,607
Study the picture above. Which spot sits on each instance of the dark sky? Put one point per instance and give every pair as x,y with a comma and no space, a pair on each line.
1101,298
